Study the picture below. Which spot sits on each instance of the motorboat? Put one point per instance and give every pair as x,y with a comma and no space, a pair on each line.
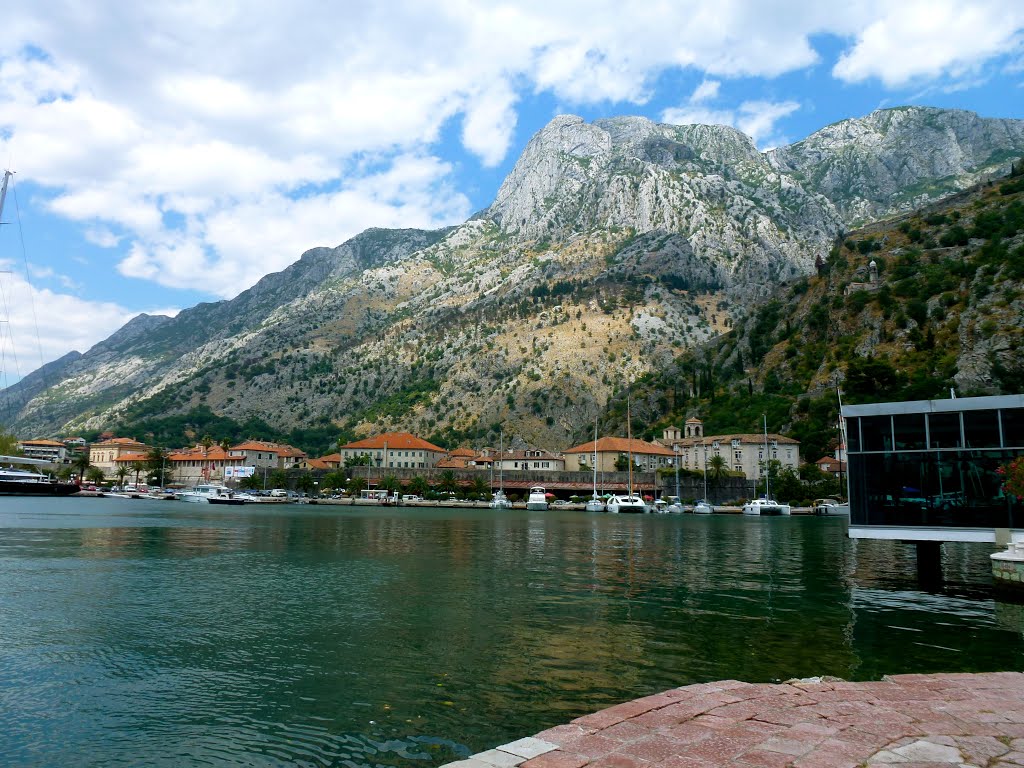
702,507
661,506
25,482
675,506
765,506
626,503
830,507
210,494
538,498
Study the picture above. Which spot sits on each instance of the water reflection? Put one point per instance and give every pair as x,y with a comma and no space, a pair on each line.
391,637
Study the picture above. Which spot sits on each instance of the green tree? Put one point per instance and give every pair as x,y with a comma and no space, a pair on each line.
278,479
333,480
717,469
419,485
362,460
622,463
121,473
481,487
82,464
447,483
390,484
138,467
94,475
355,485
156,461
8,444
305,483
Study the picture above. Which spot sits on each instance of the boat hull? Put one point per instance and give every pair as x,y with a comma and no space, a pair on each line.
15,488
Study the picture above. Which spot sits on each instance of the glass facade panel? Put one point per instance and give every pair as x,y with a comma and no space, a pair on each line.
1013,427
909,432
876,433
960,489
981,429
944,430
853,434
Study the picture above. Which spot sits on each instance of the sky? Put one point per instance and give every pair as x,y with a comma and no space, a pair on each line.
169,153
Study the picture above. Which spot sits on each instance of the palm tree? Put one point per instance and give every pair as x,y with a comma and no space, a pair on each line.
82,464
481,487
419,485
717,469
121,474
95,475
390,484
447,482
157,462
138,467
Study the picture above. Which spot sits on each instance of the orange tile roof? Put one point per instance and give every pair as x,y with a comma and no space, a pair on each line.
119,441
455,462
319,464
198,453
467,452
42,442
622,445
131,457
394,441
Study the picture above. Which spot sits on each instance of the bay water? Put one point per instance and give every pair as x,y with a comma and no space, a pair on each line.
137,632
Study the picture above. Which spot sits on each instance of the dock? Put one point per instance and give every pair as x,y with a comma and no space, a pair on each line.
909,721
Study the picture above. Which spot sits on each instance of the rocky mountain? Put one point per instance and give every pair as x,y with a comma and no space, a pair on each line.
610,249
905,309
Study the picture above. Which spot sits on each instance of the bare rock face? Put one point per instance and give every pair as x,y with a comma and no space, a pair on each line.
611,246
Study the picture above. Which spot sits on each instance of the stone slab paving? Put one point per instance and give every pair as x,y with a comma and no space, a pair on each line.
903,721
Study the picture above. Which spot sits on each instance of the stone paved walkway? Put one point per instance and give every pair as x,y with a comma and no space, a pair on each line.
915,721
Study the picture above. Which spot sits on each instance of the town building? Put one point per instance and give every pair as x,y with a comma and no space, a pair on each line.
45,450
832,466
104,454
529,460
189,466
394,450
609,451
263,454
744,452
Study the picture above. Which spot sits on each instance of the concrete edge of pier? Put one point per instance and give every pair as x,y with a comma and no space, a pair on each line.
915,721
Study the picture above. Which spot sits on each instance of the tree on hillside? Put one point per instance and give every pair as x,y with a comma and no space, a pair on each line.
8,444
869,378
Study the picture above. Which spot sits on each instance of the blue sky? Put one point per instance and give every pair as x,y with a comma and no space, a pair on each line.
173,153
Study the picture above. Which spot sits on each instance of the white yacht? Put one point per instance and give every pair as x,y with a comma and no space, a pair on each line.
210,494
702,507
830,507
630,502
595,505
538,498
765,506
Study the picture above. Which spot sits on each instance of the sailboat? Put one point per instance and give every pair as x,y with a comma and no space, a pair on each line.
500,501
766,505
15,481
631,502
595,504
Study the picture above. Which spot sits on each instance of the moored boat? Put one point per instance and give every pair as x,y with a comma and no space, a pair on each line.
25,482
830,507
626,503
538,498
765,506
210,494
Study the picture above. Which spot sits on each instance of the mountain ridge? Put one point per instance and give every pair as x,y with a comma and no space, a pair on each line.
610,248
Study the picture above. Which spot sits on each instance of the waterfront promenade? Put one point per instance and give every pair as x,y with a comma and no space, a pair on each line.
913,721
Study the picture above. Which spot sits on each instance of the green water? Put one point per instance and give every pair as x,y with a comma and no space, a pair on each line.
162,633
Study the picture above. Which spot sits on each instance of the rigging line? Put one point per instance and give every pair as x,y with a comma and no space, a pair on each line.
28,279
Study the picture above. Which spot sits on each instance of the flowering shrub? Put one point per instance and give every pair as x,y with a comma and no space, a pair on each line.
1013,477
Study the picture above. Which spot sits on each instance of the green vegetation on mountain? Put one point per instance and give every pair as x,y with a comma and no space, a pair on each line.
947,312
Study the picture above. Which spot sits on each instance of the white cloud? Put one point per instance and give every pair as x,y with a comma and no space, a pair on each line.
757,119
223,139
706,91
44,325
932,38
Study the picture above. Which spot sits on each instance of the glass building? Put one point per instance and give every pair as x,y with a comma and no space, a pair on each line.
927,470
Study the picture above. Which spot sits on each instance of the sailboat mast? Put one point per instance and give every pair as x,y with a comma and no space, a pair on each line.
595,458
767,473
3,193
629,445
